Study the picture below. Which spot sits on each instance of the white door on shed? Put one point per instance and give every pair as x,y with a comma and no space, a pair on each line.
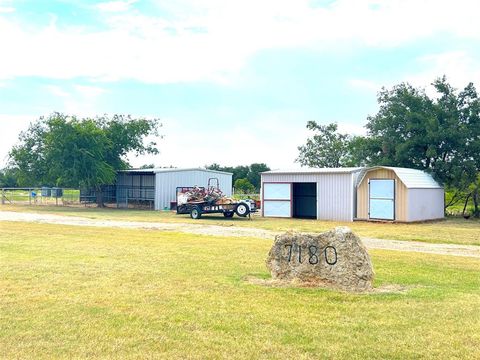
382,199
277,199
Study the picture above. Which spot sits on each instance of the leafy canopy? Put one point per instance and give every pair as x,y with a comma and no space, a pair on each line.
68,151
327,147
251,172
243,186
439,134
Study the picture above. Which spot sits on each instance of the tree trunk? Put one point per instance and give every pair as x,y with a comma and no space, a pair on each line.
99,195
476,210
455,198
465,206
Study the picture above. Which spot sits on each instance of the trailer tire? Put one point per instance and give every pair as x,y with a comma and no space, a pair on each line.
242,209
228,214
196,212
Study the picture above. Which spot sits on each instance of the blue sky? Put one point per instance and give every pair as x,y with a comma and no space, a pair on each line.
234,82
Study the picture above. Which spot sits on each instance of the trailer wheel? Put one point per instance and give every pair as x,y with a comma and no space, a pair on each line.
242,210
228,214
196,213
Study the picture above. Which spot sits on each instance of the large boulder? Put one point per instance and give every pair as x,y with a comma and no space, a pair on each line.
336,259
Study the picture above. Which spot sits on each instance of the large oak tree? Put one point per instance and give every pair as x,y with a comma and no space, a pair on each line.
62,150
438,133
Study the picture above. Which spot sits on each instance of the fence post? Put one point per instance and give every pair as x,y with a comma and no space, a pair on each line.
30,196
3,196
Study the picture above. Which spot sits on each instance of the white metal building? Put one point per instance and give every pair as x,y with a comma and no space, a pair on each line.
347,194
325,194
159,186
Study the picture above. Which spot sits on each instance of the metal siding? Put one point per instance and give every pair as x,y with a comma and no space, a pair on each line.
127,179
425,204
166,184
334,197
355,177
134,186
122,179
401,199
148,180
335,192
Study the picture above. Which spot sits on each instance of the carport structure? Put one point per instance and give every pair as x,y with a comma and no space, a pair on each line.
157,188
325,194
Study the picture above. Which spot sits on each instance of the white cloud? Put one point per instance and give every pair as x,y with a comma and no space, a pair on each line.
81,100
89,92
351,129
459,67
271,138
6,9
12,125
212,40
115,6
57,91
365,85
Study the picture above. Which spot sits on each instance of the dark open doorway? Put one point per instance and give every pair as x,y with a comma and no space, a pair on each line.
305,200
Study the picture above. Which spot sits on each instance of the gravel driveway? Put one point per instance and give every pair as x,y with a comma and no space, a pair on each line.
370,243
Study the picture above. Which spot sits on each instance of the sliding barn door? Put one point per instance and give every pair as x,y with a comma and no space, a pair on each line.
382,199
277,199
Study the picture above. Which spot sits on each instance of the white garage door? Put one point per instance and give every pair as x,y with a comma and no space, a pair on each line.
382,199
277,200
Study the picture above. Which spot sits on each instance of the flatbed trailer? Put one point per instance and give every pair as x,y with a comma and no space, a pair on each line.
242,208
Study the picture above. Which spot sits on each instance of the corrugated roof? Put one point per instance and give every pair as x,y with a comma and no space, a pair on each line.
315,171
160,170
411,178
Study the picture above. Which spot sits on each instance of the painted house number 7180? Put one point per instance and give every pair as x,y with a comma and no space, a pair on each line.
311,251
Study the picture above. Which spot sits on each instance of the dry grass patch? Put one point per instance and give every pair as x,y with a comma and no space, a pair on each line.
79,292
451,230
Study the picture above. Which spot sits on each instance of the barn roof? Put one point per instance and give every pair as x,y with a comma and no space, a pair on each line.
411,178
315,171
164,170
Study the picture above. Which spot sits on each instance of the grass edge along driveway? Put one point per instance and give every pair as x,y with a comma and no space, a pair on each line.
71,292
449,231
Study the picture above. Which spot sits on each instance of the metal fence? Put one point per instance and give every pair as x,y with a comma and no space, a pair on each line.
39,196
111,196
121,196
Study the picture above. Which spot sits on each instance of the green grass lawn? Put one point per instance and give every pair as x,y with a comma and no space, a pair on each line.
453,230
79,292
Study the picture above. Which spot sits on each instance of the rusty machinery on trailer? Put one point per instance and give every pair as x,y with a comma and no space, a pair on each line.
198,200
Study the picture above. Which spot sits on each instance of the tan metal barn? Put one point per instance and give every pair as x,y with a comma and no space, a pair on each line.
398,194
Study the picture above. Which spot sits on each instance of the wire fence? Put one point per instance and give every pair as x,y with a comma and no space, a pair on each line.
40,196
110,196
120,196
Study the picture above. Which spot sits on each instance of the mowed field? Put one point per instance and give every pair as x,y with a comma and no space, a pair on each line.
83,292
452,230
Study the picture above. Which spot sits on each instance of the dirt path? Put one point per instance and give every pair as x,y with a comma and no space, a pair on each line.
370,243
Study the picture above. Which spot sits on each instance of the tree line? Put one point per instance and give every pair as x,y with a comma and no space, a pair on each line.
246,178
439,134
66,151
